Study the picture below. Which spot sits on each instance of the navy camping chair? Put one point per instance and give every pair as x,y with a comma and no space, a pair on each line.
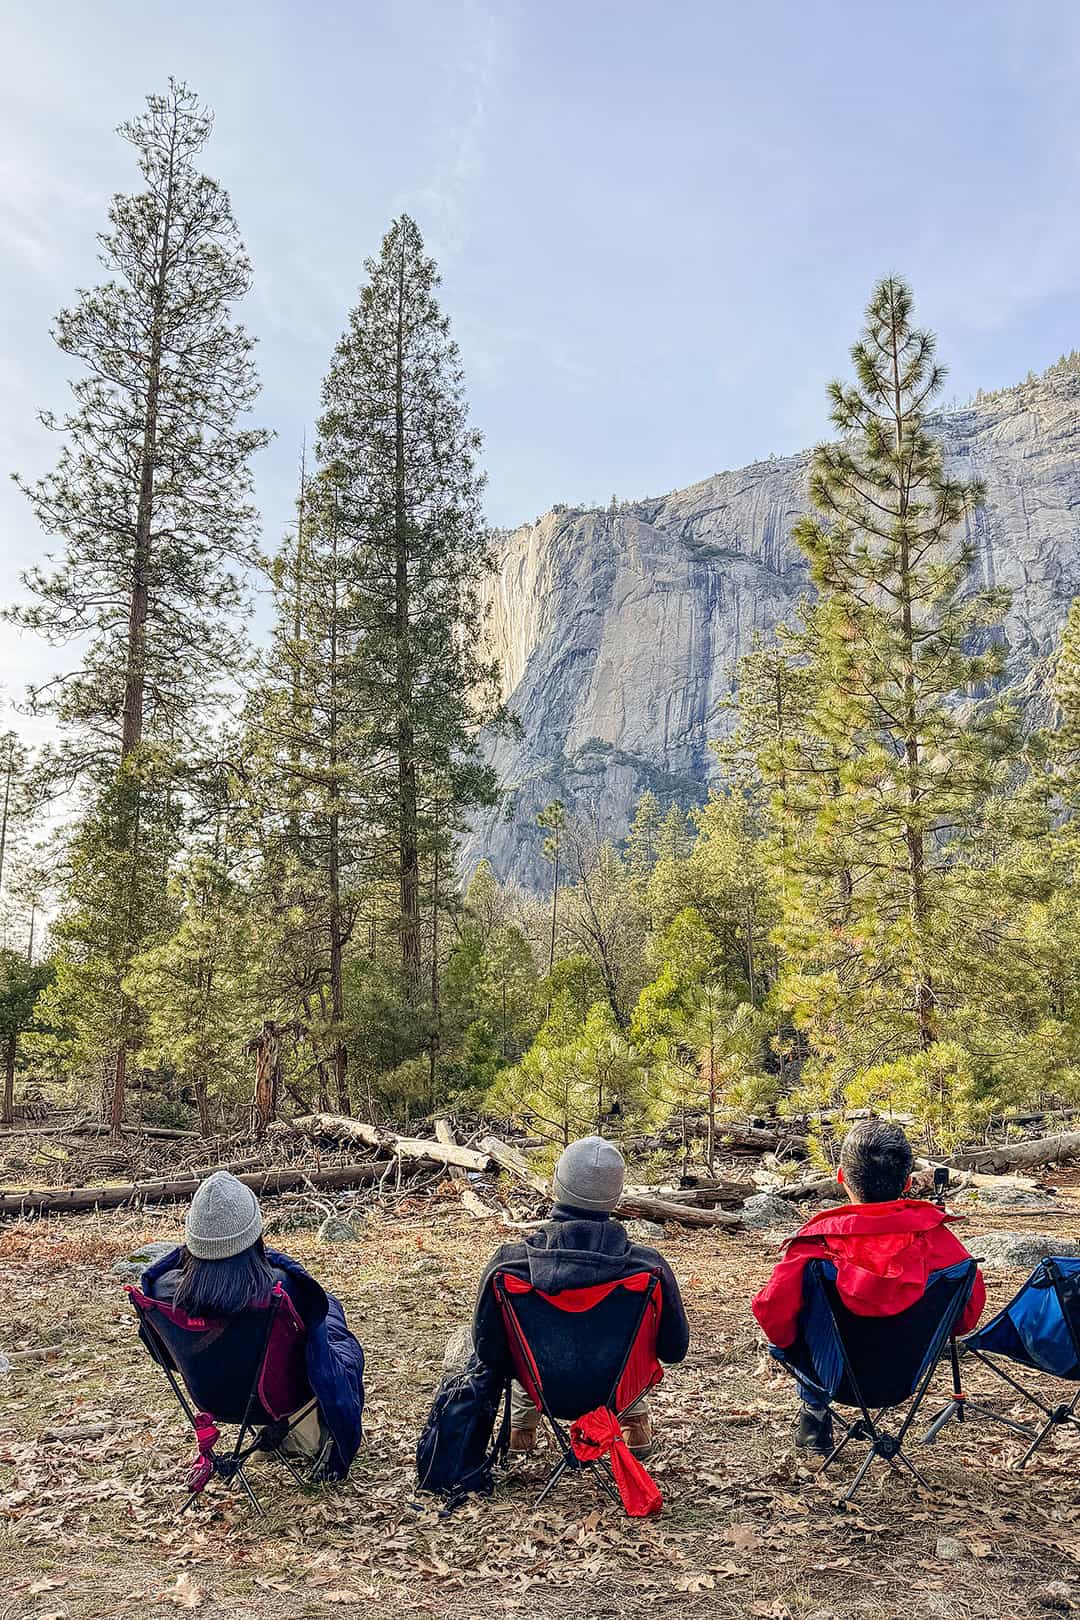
873,1363
248,1370
580,1351
1039,1328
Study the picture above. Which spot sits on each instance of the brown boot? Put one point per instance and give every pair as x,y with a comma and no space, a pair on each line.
523,1441
637,1429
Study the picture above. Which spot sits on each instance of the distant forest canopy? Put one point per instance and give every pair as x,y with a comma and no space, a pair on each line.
260,875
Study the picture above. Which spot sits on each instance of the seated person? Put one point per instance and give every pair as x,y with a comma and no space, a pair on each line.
884,1249
579,1246
224,1267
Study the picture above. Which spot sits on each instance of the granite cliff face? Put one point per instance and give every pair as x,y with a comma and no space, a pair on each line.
619,631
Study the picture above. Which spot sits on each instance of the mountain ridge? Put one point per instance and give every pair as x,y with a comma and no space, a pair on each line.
617,631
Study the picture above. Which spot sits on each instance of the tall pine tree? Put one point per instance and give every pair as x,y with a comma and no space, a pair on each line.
150,499
399,457
893,763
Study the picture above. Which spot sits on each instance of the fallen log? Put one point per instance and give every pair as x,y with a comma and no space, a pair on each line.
58,1200
636,1205
92,1127
1039,1151
974,1178
336,1128
827,1187
515,1163
639,1206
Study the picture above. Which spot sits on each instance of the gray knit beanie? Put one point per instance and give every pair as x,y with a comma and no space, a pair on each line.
589,1175
223,1218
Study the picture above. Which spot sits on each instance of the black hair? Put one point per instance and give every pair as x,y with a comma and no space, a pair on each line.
224,1287
876,1159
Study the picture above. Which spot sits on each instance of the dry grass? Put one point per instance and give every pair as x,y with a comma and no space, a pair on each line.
89,1530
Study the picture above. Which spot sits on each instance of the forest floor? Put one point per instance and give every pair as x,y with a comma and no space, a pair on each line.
89,1530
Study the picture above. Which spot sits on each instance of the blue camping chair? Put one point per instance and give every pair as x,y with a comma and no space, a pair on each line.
873,1363
1038,1328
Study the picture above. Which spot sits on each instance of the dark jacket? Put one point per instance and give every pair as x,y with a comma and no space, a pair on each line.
576,1249
335,1361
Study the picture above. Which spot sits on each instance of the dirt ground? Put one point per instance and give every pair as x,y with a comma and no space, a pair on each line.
89,1530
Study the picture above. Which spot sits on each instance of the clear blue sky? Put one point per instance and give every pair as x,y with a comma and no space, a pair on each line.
657,220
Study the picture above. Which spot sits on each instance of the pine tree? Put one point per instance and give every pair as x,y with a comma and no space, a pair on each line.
151,499
552,819
902,745
306,778
400,460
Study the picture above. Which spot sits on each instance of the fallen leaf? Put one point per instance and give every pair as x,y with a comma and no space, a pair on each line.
185,1594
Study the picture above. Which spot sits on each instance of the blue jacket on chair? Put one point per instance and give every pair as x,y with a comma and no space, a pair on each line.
334,1358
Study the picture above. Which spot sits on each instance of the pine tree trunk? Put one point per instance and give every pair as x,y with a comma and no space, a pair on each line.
337,949
554,902
436,1032
9,772
913,834
408,839
11,1052
138,610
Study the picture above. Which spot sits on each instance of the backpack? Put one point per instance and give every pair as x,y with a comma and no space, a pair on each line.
455,1453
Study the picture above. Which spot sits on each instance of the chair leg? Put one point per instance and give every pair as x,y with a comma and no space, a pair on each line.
607,1484
252,1498
859,1477
557,1473
287,1463
901,1457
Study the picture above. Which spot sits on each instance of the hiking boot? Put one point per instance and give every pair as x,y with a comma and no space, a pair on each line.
814,1431
637,1431
522,1441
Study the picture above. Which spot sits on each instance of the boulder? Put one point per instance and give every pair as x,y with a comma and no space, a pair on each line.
336,1229
1002,1251
764,1210
129,1268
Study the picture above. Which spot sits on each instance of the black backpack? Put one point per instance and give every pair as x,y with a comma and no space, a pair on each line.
455,1453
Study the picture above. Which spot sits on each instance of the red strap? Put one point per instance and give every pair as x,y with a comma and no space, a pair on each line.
598,1434
202,1464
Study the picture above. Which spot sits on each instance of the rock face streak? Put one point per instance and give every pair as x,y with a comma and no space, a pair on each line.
618,632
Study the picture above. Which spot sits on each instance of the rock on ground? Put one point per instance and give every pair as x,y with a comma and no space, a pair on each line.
998,1251
764,1209
644,1231
1006,1198
131,1267
335,1229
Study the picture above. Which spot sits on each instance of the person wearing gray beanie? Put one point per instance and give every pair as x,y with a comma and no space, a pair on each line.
223,1218
579,1246
589,1176
224,1269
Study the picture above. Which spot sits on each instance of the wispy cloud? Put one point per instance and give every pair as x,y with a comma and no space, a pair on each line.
33,198
442,201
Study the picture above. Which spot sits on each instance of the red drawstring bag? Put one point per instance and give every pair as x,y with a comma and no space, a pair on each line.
598,1433
202,1465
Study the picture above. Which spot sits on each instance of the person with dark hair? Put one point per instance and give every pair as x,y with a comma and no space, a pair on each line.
883,1244
224,1268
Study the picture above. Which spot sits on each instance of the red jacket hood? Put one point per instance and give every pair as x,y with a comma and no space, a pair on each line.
899,1217
883,1254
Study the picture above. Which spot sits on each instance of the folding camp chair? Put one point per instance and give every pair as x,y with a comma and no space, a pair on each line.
248,1370
1038,1328
873,1363
580,1350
